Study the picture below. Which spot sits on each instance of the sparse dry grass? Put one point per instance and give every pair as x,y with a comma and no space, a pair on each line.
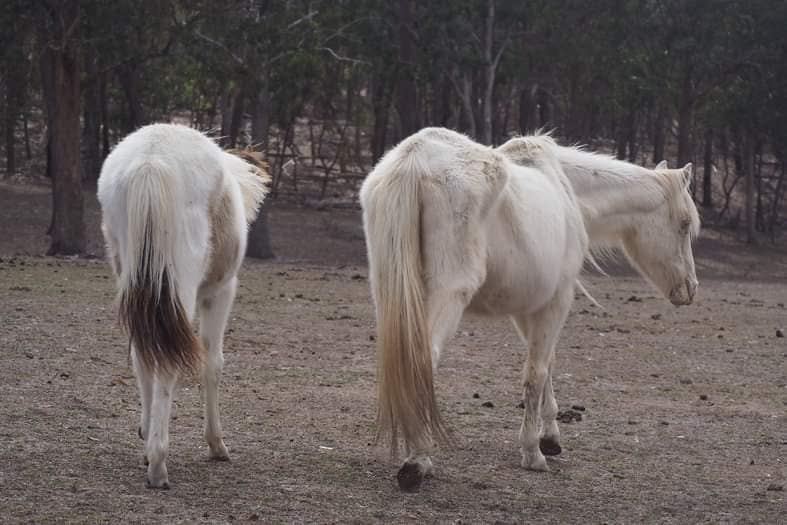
298,401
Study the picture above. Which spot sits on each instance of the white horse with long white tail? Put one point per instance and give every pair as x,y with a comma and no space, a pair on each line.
175,214
452,225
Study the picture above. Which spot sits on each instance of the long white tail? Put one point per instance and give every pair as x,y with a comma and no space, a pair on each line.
406,401
150,309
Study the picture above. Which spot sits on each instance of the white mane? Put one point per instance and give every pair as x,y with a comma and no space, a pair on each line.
593,175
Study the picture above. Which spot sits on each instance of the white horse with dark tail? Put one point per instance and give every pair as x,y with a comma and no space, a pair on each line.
452,225
175,213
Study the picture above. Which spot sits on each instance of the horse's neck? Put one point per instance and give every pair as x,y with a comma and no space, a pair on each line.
613,195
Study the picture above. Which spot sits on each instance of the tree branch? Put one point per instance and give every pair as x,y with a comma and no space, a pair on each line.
306,18
341,58
238,60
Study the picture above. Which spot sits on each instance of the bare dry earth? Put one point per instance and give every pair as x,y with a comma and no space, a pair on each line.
683,421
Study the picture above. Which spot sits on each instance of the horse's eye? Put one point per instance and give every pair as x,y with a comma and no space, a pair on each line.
684,226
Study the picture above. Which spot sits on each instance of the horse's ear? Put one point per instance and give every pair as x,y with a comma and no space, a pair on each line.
661,165
688,172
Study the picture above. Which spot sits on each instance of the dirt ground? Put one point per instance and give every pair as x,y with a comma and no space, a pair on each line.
682,410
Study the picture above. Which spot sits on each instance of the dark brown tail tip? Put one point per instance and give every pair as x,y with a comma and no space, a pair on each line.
159,330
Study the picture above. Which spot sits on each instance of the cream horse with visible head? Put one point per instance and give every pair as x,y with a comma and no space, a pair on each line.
452,225
175,211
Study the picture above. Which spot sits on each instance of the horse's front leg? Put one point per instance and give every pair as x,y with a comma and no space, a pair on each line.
542,330
213,313
157,442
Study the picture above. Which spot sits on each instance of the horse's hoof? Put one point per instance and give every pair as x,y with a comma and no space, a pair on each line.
549,446
219,456
139,433
410,477
219,453
145,459
160,485
536,462
156,477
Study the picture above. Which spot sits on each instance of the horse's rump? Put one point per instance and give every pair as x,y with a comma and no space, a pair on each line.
411,203
150,309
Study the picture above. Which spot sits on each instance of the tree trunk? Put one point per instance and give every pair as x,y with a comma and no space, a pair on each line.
26,128
544,109
60,38
684,136
575,121
15,80
445,101
382,98
659,133
261,116
10,126
777,196
620,139
406,91
47,87
91,131
129,81
748,166
225,109
502,118
526,107
104,104
707,170
631,135
259,243
236,119
759,219
685,116
467,106
490,65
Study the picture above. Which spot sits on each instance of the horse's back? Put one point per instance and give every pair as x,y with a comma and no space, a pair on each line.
448,165
190,161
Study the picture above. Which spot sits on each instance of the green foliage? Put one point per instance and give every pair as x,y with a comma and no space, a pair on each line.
598,62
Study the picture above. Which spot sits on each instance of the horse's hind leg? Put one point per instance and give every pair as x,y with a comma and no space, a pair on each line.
542,330
445,312
157,443
213,313
550,435
145,383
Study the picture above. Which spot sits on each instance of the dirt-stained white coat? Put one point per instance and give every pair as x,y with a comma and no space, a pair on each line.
452,225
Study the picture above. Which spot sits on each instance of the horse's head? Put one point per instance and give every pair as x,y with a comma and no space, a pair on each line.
660,245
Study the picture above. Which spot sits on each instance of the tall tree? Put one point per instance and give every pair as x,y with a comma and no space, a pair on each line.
91,130
406,91
15,49
59,33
